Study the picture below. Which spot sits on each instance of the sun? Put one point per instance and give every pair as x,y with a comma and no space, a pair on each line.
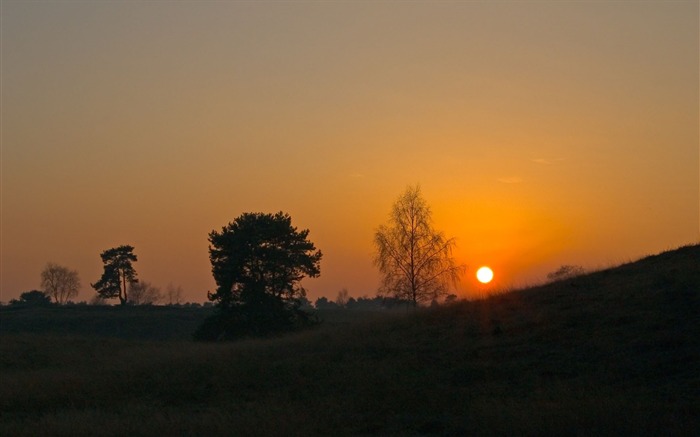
484,275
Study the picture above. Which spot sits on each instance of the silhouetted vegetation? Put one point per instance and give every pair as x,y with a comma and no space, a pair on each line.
144,293
342,298
142,323
61,283
620,358
361,303
32,298
173,294
415,260
565,272
258,261
118,274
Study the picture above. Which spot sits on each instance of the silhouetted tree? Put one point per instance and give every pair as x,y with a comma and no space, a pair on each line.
342,299
60,282
258,261
565,272
32,298
305,304
451,298
394,302
414,259
322,303
118,273
365,303
143,293
173,294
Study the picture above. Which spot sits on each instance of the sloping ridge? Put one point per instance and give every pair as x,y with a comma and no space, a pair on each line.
635,323
615,351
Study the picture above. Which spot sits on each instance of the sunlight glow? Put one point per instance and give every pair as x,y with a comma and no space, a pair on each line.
484,275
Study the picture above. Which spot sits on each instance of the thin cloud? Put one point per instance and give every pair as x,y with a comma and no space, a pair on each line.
357,176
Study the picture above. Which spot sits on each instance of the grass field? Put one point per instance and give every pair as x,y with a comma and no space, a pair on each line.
615,352
128,323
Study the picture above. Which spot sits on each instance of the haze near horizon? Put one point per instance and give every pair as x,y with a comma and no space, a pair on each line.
541,133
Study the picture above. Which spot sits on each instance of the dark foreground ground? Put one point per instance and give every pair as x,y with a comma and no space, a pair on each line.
616,352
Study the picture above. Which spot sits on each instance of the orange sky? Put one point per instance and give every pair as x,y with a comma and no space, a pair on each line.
542,133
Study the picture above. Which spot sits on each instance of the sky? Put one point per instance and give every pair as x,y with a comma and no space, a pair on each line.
541,133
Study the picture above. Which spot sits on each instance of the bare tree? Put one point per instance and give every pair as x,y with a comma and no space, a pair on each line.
143,293
173,294
415,259
342,298
60,283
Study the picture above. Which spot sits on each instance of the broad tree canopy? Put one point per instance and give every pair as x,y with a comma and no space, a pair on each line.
258,261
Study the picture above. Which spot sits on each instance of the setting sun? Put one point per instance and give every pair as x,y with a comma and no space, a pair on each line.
484,275
380,110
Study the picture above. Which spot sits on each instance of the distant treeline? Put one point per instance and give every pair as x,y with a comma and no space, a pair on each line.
365,303
36,298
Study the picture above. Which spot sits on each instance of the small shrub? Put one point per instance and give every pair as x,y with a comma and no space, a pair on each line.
32,298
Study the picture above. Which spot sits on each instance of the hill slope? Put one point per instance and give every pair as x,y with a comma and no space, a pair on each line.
615,352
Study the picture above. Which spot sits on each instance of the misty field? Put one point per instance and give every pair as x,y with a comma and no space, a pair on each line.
615,352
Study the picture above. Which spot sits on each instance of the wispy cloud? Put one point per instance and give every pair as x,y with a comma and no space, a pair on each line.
357,176
510,180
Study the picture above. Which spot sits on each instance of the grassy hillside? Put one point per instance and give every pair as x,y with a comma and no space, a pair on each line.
616,352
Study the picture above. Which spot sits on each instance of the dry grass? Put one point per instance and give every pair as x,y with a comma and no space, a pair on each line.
616,352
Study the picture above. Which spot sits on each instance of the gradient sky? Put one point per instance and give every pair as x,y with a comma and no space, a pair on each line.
542,133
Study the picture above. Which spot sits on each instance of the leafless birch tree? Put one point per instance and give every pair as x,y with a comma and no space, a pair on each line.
414,259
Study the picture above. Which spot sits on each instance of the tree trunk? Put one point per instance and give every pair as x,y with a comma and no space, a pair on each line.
123,288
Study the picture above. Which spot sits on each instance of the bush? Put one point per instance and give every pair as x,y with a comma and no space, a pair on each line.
32,298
